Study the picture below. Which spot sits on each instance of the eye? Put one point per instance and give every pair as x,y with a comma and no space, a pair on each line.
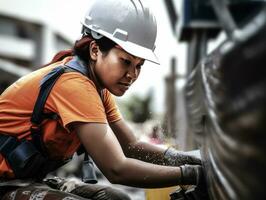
139,66
126,61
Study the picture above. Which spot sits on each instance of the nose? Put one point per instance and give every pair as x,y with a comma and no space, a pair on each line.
132,73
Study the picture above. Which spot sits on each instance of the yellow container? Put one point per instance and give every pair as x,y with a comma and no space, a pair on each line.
159,194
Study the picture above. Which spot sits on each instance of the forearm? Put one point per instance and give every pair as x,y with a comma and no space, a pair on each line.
134,148
141,174
146,152
108,155
162,156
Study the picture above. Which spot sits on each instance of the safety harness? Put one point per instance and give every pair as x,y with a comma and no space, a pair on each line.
29,158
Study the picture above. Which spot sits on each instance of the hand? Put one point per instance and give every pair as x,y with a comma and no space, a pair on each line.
192,175
178,158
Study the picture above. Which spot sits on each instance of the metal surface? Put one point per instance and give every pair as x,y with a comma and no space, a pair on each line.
226,95
233,13
197,16
225,17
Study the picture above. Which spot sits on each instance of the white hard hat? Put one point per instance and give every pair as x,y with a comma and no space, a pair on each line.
129,23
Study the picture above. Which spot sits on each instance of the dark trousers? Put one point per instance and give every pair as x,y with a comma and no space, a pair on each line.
44,192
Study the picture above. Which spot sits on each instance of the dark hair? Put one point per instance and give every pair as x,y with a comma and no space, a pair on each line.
82,47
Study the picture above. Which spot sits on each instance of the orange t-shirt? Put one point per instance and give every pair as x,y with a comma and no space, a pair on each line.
74,98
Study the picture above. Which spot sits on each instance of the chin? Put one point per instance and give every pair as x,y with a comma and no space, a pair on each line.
118,93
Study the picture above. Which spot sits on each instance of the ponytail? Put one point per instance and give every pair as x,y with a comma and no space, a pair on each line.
60,56
82,49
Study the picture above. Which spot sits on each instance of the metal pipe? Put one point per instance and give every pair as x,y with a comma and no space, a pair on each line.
225,17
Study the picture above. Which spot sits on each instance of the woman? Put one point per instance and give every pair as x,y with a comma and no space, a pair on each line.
117,37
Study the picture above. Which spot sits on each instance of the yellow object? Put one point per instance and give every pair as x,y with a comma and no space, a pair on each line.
159,194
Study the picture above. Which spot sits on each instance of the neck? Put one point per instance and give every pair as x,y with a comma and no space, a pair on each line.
91,74
94,78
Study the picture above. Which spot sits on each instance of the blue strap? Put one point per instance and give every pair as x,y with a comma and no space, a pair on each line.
46,86
48,82
78,65
7,144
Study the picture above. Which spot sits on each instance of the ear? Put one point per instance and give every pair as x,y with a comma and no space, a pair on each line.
94,49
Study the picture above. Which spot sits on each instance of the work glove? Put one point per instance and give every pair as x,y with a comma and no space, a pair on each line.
174,157
193,182
192,175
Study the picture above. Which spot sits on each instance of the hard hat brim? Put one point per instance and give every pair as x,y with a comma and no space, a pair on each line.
129,47
138,51
134,49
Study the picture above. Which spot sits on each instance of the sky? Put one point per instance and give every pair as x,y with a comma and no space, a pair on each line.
65,16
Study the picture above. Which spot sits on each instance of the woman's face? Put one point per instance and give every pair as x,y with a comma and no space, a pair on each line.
117,70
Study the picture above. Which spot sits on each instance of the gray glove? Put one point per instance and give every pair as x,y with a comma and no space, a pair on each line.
177,158
192,175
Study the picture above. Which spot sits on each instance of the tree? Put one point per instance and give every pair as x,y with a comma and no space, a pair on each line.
139,108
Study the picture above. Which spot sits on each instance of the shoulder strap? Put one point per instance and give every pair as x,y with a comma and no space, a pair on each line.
37,117
47,84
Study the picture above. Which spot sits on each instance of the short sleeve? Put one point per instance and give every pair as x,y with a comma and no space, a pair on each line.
75,99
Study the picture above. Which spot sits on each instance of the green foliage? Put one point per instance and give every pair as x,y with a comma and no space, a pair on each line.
138,108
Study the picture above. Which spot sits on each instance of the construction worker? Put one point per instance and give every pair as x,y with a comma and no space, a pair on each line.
117,37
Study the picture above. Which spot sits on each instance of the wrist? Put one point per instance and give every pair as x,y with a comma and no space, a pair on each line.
191,174
169,156
174,157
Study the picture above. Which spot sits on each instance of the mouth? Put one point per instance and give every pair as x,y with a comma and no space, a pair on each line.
124,85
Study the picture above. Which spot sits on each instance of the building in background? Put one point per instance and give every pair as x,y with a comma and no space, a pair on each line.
25,45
